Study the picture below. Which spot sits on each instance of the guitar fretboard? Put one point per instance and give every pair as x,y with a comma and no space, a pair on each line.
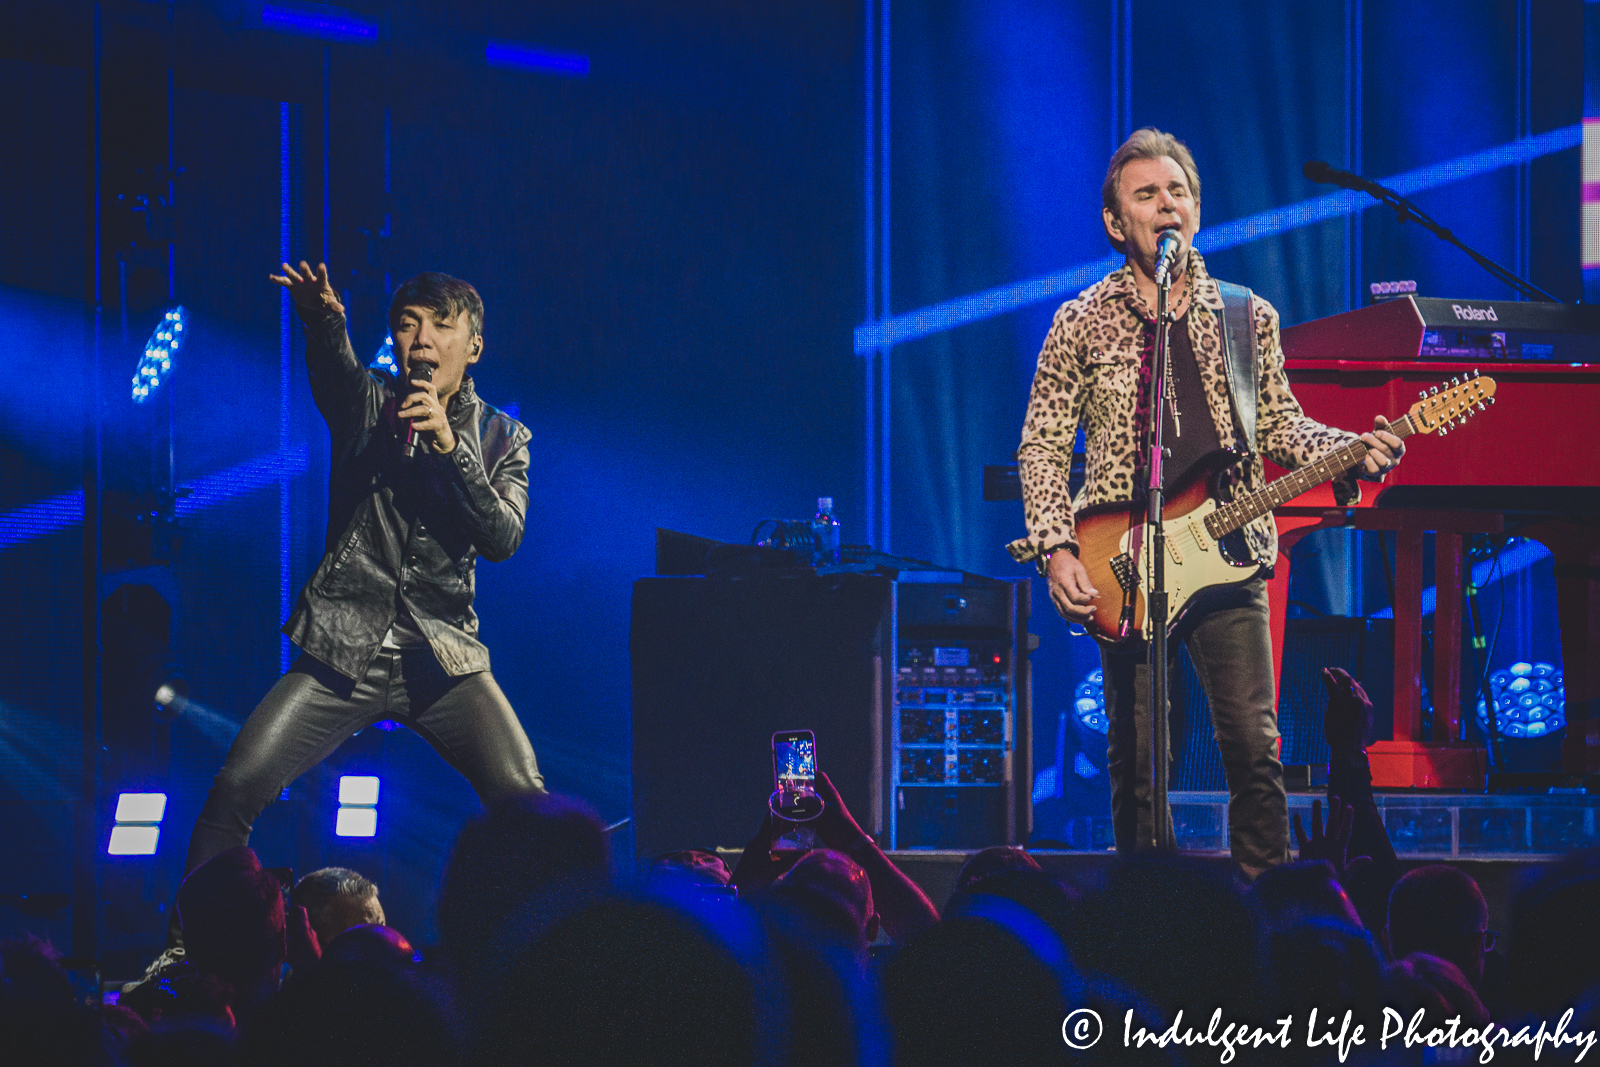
1251,506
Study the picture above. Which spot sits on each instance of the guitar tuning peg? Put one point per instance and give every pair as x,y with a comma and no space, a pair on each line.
1434,391
1491,400
1482,406
1444,429
1422,394
1475,373
1455,381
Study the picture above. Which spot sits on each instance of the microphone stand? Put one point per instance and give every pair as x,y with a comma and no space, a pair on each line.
1155,604
1406,211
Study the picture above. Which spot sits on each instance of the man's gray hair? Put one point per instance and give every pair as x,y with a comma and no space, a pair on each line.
337,898
1145,143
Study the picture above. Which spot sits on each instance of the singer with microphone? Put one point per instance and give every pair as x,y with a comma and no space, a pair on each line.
1095,371
425,478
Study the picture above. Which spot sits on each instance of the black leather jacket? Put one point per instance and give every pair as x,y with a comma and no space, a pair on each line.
398,528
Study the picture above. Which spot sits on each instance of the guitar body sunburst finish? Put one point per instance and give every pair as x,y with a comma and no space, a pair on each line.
1111,545
1111,536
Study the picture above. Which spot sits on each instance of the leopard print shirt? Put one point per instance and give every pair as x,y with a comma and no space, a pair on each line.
1090,373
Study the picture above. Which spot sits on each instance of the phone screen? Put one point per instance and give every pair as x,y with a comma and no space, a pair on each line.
794,767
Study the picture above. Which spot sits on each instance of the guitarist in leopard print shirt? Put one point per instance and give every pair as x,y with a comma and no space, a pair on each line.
1094,370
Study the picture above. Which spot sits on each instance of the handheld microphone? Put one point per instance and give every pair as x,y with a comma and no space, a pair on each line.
422,372
1327,174
1167,255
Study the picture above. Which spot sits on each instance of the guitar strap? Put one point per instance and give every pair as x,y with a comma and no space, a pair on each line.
1239,358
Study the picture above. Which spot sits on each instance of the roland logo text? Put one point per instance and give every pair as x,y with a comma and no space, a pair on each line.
1472,314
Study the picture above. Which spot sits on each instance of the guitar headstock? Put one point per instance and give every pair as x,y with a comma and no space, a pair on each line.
1446,407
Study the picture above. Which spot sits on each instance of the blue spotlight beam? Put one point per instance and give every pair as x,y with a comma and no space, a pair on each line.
1511,561
513,56
246,477
41,518
937,318
321,21
65,510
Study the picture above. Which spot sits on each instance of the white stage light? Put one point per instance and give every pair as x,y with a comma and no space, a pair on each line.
134,840
358,789
141,807
357,822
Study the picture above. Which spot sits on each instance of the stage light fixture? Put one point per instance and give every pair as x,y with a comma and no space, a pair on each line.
133,840
155,366
138,824
358,806
385,360
141,807
358,790
1530,700
356,822
1089,702
171,698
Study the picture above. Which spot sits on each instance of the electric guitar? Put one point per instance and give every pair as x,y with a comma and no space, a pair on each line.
1204,546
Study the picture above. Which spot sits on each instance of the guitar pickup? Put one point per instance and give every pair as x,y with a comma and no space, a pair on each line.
1199,538
1122,570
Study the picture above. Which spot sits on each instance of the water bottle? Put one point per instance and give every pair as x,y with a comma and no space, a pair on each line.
825,534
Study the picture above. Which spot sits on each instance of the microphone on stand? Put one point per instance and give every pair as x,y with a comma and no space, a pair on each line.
1327,174
1167,255
422,372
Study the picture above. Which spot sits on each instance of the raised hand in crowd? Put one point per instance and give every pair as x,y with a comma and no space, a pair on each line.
1346,725
1348,720
904,909
759,865
1330,841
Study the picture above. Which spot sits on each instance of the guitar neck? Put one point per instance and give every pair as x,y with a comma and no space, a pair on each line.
1251,506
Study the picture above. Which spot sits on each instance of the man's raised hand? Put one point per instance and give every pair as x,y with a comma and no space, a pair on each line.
309,289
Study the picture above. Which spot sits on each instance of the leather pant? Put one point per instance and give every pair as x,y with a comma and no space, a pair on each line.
1229,639
313,709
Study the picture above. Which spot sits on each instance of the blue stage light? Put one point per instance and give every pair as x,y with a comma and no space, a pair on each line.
521,57
385,360
1530,700
155,366
1089,702
40,518
937,318
59,512
246,477
320,21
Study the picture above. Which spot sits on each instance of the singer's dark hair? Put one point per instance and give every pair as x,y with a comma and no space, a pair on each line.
1146,143
440,294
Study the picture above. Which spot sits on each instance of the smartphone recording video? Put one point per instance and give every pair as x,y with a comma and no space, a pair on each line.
794,775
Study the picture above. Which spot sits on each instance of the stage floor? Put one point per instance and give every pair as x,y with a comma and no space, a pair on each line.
1515,827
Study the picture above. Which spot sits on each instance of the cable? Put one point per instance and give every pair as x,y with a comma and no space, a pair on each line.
1491,717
